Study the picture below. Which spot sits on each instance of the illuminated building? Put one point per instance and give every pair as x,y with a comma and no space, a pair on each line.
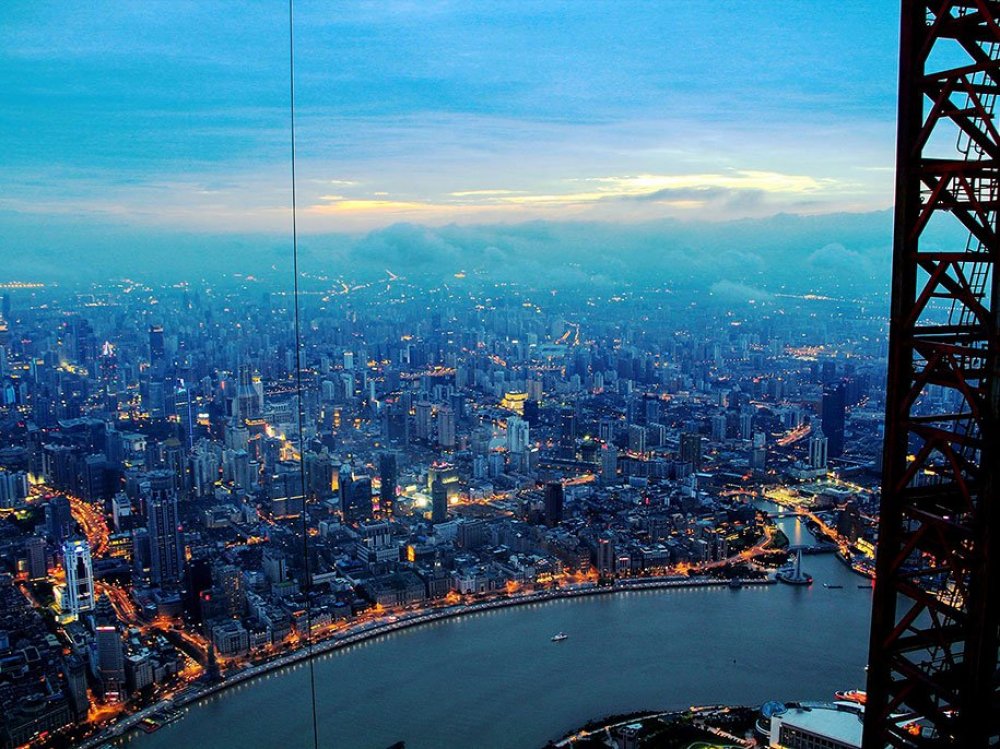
165,538
79,576
109,654
816,727
514,401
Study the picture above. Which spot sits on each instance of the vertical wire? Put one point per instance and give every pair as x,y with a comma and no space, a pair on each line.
307,587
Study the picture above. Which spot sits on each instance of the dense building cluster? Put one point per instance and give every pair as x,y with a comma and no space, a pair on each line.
188,487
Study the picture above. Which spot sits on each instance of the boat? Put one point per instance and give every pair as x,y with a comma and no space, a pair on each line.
832,587
853,695
560,637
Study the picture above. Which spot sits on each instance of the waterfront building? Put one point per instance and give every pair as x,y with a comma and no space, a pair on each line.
817,727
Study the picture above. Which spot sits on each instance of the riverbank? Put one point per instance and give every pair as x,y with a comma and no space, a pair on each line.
702,727
372,630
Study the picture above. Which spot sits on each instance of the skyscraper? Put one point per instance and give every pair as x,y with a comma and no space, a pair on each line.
166,544
446,428
833,411
517,434
79,576
439,502
58,519
553,503
387,474
156,347
691,449
108,646
37,565
818,446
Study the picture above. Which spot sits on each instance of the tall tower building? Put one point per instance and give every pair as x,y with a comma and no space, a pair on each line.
37,564
517,434
108,646
157,351
446,428
166,545
553,503
76,685
833,412
439,502
691,449
818,446
388,477
58,519
423,423
79,576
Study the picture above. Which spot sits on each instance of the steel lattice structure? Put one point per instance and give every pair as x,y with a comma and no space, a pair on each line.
936,613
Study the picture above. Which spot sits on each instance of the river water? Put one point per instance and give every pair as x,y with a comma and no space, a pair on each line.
496,680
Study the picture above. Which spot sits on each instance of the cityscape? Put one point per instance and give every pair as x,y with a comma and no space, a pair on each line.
170,525
547,373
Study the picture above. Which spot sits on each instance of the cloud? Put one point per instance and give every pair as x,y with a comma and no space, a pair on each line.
730,291
836,258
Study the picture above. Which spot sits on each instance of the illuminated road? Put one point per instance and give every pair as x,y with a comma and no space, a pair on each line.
94,524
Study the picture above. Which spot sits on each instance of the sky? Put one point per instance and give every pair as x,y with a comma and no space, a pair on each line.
172,117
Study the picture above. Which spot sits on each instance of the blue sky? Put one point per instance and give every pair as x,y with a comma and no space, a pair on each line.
173,115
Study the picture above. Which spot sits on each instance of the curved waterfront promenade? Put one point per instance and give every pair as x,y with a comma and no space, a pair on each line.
372,630
488,675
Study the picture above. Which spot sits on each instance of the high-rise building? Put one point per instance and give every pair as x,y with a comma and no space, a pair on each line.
75,671
58,519
818,446
197,578
609,463
439,502
690,451
605,555
833,414
423,421
37,565
109,652
79,576
356,499
446,428
553,503
637,439
157,351
166,544
388,477
517,434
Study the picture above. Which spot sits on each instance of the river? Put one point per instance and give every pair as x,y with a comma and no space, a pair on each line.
495,679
